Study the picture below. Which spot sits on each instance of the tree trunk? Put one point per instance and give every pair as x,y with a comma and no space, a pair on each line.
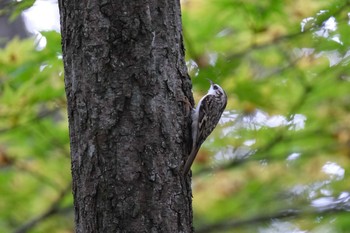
126,81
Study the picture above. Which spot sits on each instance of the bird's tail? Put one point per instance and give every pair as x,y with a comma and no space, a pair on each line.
190,160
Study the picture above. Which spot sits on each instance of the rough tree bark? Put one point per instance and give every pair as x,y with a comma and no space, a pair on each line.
126,80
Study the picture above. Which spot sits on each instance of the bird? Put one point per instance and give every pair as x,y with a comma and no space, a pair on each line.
205,117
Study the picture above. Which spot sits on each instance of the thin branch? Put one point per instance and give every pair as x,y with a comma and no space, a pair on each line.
292,213
35,174
52,210
27,122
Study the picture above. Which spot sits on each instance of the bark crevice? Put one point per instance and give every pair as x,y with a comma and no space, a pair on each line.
126,80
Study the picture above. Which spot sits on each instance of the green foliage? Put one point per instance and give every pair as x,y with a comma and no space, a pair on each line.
267,167
34,149
15,8
285,70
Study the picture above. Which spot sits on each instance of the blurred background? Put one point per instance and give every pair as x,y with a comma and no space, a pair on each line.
278,161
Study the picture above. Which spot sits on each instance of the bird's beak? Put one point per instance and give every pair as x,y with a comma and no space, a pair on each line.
211,82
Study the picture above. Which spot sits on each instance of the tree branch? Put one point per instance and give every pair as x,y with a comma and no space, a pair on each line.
52,210
227,225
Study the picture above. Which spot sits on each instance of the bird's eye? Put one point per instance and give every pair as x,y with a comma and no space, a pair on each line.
215,87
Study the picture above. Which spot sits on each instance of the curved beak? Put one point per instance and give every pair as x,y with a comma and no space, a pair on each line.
211,82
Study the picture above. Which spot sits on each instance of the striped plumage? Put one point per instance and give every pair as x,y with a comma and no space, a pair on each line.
205,117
